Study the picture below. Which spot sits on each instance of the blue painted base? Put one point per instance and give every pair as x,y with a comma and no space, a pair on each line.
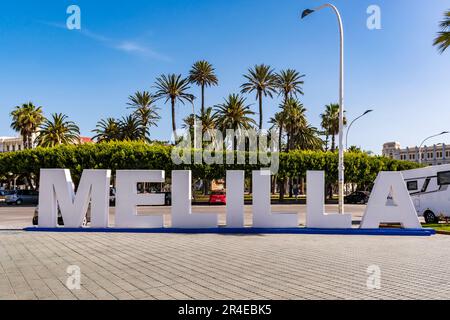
374,232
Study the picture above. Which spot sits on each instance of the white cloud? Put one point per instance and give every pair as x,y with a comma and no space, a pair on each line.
127,46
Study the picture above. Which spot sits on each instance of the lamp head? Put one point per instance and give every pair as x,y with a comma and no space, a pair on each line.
306,13
444,132
368,111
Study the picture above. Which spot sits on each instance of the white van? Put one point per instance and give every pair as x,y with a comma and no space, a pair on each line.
429,190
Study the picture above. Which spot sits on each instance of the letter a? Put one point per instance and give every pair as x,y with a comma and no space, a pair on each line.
390,202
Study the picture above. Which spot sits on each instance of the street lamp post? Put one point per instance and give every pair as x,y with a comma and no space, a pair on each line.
426,139
348,129
341,100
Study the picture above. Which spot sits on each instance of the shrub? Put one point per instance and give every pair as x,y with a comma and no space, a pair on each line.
360,168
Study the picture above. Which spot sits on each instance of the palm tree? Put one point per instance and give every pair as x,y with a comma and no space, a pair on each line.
278,121
442,41
26,119
295,117
142,103
173,88
330,123
132,129
262,80
203,74
306,137
234,114
208,121
188,122
58,131
325,124
107,130
289,83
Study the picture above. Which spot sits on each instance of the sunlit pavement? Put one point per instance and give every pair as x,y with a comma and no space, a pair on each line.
209,266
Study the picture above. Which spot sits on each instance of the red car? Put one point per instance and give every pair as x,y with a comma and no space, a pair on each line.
218,197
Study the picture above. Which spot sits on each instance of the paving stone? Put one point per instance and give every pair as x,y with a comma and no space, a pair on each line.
175,266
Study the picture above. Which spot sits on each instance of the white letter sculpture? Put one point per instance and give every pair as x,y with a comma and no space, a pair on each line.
235,199
56,188
182,216
390,202
315,208
262,215
128,199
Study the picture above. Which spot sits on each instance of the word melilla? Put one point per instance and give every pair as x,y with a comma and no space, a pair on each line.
57,190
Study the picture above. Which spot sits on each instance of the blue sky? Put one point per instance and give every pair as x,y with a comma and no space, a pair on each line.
123,46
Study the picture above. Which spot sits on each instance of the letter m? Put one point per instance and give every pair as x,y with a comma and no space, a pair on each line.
56,189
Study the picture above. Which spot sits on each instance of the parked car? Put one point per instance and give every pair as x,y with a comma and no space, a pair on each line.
3,194
19,197
218,197
358,197
86,220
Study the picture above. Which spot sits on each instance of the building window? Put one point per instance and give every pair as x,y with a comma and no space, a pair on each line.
412,185
443,178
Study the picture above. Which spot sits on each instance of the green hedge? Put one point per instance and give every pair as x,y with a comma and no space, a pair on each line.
360,167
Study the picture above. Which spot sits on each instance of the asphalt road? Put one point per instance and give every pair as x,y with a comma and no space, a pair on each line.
16,217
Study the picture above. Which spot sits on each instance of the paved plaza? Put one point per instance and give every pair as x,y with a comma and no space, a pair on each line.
35,265
174,266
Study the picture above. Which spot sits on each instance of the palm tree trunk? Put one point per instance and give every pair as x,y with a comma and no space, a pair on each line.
280,137
273,184
288,141
203,99
291,187
174,126
25,141
333,143
260,111
326,142
30,141
281,186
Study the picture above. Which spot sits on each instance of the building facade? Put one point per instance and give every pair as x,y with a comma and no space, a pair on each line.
431,155
10,144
